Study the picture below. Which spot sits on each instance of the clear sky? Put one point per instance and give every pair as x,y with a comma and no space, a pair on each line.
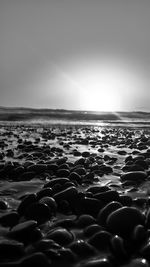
75,54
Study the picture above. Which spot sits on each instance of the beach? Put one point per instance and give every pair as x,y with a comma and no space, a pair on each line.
74,195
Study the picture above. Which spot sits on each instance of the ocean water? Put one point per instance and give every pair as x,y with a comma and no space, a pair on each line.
135,123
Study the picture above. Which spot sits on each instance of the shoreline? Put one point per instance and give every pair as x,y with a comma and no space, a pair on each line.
57,181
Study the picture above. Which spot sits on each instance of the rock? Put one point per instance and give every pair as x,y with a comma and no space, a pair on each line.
139,234
125,200
11,249
39,212
37,168
97,189
145,251
9,219
28,200
122,152
118,248
52,167
56,181
69,194
3,205
44,244
80,171
92,229
105,169
134,176
85,154
61,236
75,177
50,202
63,173
45,192
85,220
108,196
66,223
123,220
100,240
22,231
88,205
106,211
81,248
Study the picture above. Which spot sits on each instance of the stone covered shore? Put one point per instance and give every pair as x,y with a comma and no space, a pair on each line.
74,196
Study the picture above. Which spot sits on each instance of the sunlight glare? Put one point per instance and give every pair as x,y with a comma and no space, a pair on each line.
101,89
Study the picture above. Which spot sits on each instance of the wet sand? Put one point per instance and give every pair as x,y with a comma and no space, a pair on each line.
74,196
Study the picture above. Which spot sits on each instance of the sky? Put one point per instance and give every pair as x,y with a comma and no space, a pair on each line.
75,54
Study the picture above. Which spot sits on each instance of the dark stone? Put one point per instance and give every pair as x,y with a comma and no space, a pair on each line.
108,196
101,240
22,231
45,192
39,212
9,219
92,229
82,248
123,220
10,249
61,236
106,211
50,202
28,200
85,220
134,176
63,173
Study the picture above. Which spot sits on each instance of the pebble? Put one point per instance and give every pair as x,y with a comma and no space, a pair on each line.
22,231
9,219
90,211
10,249
123,220
118,247
3,205
92,229
45,192
63,173
108,196
82,248
28,200
61,236
134,176
145,251
87,205
56,181
105,212
100,240
50,202
139,234
85,220
39,212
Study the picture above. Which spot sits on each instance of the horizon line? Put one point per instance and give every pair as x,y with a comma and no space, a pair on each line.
77,110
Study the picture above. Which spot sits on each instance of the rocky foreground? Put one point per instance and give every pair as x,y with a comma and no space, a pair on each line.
74,196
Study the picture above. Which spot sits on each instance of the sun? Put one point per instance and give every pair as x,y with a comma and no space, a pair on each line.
101,89
105,86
